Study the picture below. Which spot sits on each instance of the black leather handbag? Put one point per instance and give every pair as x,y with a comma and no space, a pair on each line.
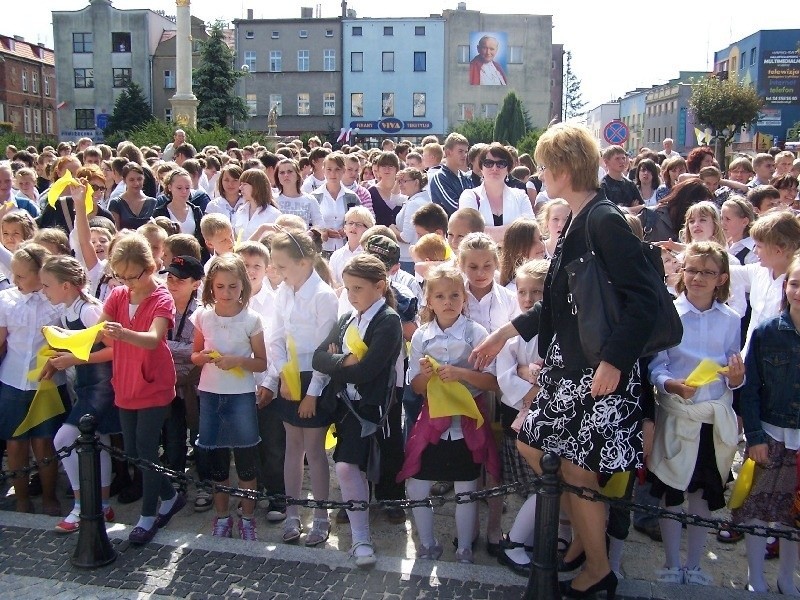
596,304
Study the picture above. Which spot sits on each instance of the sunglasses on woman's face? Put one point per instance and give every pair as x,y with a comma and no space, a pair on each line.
500,163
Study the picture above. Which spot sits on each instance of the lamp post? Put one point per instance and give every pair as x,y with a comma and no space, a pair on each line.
246,70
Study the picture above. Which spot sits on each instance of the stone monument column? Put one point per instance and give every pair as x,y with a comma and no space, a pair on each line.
184,102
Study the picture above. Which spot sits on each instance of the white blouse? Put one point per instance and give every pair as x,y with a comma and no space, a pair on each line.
245,224
515,204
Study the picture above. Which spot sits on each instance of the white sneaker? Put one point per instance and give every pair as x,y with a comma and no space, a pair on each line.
675,575
697,576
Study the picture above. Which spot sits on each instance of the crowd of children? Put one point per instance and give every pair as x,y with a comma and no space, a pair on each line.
250,317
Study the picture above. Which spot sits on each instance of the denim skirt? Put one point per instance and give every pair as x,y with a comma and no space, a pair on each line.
227,420
14,407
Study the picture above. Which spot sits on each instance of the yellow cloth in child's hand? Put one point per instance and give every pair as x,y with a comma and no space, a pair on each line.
62,183
354,342
706,372
238,371
330,437
46,403
446,399
291,370
744,482
79,343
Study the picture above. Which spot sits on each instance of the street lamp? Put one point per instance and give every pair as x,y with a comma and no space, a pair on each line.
246,70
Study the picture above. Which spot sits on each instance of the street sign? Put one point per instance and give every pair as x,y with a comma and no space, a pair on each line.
615,132
102,120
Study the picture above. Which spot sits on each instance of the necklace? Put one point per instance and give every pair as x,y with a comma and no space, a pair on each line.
577,212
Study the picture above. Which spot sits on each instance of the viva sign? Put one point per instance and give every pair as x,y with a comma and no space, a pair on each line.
391,125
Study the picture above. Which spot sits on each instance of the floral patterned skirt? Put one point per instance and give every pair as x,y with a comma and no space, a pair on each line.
601,435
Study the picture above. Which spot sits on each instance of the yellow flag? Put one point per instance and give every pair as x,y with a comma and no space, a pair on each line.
616,485
78,342
238,371
46,403
354,342
744,482
54,193
450,398
330,437
706,372
448,252
291,371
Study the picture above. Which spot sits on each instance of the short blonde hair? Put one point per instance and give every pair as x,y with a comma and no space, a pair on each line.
212,224
780,229
430,246
441,273
226,263
361,213
570,149
132,249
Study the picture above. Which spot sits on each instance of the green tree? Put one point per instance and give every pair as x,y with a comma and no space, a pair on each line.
131,111
509,126
477,131
215,82
573,97
724,105
528,143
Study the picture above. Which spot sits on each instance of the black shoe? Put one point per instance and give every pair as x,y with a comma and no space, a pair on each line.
568,566
607,584
651,531
504,559
472,547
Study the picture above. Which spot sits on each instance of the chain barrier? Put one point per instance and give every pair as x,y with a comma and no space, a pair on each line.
34,467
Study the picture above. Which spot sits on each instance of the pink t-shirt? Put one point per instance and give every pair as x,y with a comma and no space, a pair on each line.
142,378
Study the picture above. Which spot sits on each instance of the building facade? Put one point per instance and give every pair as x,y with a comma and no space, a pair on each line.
100,49
770,61
487,56
667,113
392,81
632,112
294,65
557,82
600,116
27,88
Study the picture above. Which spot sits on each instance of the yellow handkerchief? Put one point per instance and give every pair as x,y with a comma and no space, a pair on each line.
743,485
55,191
448,252
291,370
46,403
238,371
78,342
706,372
354,342
330,437
450,398
616,485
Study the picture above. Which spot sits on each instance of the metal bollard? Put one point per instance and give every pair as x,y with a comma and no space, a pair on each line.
543,581
93,549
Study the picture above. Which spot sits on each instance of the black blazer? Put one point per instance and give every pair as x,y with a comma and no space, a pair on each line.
621,253
163,211
374,374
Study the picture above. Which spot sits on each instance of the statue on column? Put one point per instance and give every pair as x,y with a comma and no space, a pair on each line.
272,121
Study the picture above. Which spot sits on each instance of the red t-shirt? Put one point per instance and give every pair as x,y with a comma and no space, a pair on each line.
142,378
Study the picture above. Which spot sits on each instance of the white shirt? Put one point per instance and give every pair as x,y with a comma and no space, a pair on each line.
339,259
333,211
494,310
245,224
308,316
712,334
515,204
515,353
87,312
187,226
311,184
221,206
209,185
23,316
749,243
361,323
448,347
765,291
228,336
306,207
404,222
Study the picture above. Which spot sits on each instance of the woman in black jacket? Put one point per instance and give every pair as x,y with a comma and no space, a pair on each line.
590,416
664,221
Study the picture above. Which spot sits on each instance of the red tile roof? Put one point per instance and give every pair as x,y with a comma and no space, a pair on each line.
26,50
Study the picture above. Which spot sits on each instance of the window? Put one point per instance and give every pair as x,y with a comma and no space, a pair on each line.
303,33
356,31
27,120
249,35
420,61
276,101
743,62
303,104
252,104
329,103
489,110
34,83
302,60
329,33
121,41
387,104
37,120
169,80
84,78
82,43
48,121
388,61
388,31
463,55
329,60
467,112
733,63
46,86
357,104
752,57
356,62
419,104
168,115
250,60
515,54
84,118
24,80
122,77
419,30
276,35
275,61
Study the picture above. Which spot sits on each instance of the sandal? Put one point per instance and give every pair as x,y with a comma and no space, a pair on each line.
726,536
292,529
364,561
320,530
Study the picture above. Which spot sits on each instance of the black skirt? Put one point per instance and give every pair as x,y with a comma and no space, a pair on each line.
287,409
449,460
350,446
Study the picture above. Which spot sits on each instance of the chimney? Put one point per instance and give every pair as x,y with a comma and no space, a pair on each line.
19,38
306,12
344,9
462,6
249,14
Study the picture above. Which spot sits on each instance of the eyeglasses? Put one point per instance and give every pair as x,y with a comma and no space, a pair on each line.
355,224
98,188
402,181
129,279
488,163
696,273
